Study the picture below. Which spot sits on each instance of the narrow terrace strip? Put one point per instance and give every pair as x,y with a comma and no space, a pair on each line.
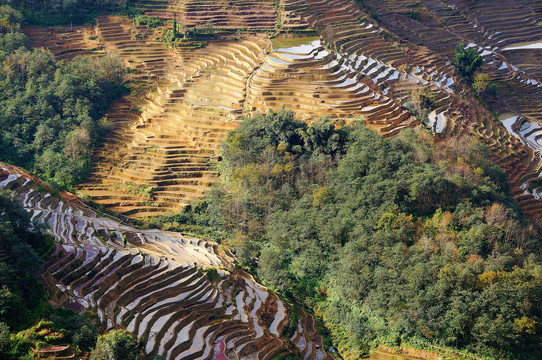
154,287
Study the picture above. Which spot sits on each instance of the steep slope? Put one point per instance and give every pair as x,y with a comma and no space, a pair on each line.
161,153
65,42
453,114
507,36
161,161
316,82
154,287
252,15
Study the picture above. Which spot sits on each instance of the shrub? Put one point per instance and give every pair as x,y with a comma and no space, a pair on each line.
467,61
117,345
148,21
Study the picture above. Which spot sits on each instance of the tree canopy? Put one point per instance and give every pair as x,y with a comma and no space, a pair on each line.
390,240
117,345
49,110
21,243
60,12
467,60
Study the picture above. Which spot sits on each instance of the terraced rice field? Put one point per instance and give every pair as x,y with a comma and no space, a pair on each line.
303,76
255,15
161,155
65,42
154,286
168,147
165,142
508,36
162,158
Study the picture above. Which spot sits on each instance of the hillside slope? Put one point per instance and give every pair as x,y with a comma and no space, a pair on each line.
154,286
166,140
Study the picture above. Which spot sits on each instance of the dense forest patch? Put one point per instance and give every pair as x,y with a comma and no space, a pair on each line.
50,111
26,320
390,241
63,12
21,248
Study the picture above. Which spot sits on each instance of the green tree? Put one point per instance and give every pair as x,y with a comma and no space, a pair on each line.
389,239
5,342
467,61
117,345
481,83
21,242
50,112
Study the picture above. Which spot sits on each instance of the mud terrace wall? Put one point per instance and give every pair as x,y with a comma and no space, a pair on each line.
162,152
155,287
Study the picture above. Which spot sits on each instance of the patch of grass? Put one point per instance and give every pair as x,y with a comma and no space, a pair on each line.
143,190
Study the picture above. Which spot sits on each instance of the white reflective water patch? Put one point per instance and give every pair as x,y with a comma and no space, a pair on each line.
529,133
508,122
437,121
525,46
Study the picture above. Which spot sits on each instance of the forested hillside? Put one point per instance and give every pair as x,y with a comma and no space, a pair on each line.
20,251
390,241
271,179
58,12
23,246
49,110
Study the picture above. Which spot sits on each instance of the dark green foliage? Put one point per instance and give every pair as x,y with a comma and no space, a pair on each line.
492,89
391,240
414,15
370,10
10,19
117,345
212,275
49,111
191,220
62,12
467,61
148,21
65,327
22,296
78,329
22,243
5,342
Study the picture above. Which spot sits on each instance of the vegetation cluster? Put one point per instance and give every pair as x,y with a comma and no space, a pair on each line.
467,63
27,321
50,111
391,241
22,247
63,12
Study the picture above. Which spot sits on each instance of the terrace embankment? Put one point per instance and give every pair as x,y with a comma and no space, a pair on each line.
160,155
151,283
162,159
300,75
65,42
419,39
507,35
251,15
